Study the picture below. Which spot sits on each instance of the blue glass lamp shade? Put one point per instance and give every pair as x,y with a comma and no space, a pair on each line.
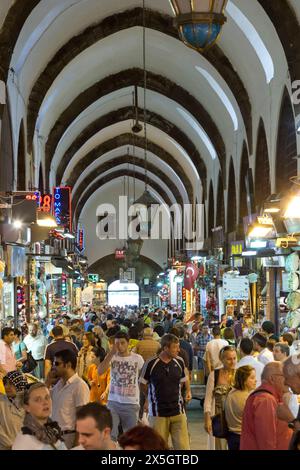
200,36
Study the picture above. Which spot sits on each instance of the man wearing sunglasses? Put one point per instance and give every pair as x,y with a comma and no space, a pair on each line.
68,394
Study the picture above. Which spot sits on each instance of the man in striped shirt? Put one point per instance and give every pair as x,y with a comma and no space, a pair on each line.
162,379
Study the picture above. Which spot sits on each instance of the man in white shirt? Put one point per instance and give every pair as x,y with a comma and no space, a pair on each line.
259,345
247,359
124,394
36,343
68,394
213,349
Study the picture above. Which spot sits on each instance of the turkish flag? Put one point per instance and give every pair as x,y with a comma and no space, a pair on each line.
190,276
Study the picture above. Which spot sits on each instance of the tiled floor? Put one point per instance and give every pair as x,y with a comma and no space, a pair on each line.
196,427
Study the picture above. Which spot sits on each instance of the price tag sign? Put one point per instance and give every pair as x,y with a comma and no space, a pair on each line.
236,288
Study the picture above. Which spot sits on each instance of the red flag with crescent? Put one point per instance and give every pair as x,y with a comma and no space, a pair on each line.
191,274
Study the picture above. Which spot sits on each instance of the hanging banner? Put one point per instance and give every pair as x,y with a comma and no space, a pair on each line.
62,207
235,288
80,240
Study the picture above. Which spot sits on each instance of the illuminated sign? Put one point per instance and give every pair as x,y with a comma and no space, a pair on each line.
237,248
80,239
183,299
62,206
119,254
64,295
93,278
45,203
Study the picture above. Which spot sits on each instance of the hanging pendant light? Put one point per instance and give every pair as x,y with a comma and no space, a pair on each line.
199,22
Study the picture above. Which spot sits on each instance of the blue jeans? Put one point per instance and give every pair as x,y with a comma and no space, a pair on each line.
233,441
125,414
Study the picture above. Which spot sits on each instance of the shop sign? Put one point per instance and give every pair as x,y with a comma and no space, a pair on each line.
16,261
93,278
45,203
235,288
62,206
64,297
120,254
80,239
127,275
183,299
237,248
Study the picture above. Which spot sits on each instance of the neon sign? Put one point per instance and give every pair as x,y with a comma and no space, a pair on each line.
45,203
80,239
62,206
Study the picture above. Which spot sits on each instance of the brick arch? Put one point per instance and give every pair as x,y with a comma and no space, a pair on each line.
286,164
130,139
119,161
262,166
124,20
112,176
122,115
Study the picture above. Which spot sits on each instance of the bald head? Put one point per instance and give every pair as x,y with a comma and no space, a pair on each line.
291,371
271,369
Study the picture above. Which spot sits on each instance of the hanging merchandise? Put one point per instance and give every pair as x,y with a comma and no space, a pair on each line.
292,319
64,298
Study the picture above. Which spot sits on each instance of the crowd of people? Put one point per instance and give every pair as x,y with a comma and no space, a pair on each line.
120,378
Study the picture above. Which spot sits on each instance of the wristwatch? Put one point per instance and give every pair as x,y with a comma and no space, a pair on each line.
291,424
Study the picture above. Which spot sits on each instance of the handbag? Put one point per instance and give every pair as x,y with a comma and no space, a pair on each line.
30,364
219,423
219,426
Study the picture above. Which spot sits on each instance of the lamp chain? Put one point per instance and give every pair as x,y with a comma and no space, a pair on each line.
145,93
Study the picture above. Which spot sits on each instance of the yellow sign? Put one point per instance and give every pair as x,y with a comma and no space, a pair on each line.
237,248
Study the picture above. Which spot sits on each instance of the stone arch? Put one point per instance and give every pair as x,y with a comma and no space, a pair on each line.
262,166
21,160
286,164
41,179
116,174
14,22
124,159
231,200
123,79
244,169
109,269
211,210
119,116
125,140
6,152
220,215
124,20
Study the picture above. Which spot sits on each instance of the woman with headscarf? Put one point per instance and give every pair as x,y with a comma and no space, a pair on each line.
11,408
39,432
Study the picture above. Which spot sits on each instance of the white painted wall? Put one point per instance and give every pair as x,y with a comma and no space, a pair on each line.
95,248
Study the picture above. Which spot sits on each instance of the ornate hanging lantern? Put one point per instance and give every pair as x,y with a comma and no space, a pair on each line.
199,22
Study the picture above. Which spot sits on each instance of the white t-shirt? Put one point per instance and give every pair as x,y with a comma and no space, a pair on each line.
28,442
213,348
124,378
251,361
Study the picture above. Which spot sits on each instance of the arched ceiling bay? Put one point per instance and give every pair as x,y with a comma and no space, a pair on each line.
110,176
122,162
87,140
136,155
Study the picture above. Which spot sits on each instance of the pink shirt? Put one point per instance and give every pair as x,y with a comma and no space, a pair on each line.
7,358
261,429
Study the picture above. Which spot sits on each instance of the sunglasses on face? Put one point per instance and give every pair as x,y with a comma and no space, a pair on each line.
56,363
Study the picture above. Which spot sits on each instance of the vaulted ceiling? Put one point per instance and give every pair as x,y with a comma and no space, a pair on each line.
70,67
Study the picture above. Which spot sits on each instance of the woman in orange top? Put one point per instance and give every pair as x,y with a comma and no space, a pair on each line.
99,383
